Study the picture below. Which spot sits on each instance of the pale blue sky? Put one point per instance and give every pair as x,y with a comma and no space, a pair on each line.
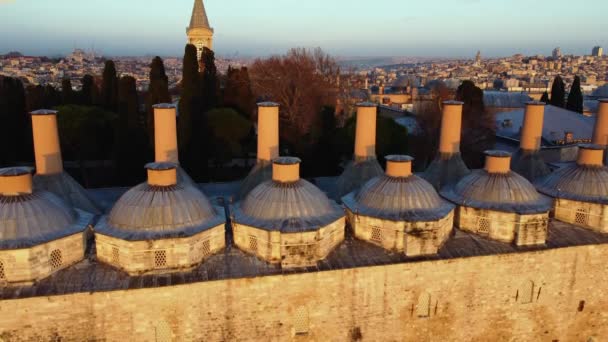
341,27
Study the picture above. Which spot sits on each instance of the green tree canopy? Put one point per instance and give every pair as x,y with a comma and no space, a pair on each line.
109,87
237,91
67,92
228,129
89,92
210,83
158,92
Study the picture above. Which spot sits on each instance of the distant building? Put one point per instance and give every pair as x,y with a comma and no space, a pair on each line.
557,53
200,33
478,58
597,51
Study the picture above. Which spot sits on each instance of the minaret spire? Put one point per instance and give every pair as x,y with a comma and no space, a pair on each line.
199,16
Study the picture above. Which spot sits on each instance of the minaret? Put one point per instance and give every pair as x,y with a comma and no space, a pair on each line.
200,33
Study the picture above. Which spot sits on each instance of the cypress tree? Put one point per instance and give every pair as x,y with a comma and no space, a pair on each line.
88,93
575,98
15,132
131,149
189,107
545,98
109,87
67,92
210,82
478,125
158,92
558,92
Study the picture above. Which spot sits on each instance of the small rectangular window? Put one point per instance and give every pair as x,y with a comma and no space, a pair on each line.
301,321
377,235
206,248
56,259
160,258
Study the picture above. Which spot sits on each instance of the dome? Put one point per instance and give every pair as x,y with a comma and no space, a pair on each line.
408,198
601,91
501,191
31,218
160,209
579,181
288,206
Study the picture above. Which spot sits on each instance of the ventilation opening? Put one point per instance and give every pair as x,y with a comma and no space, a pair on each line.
377,235
483,226
56,259
160,259
253,244
581,217
2,273
206,248
115,255
423,308
163,333
301,322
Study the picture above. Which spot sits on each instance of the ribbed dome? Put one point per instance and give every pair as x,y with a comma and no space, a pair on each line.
399,198
507,192
578,183
296,206
31,219
148,212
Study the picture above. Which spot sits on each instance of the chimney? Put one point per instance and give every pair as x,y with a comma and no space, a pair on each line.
162,174
366,83
286,169
47,149
381,90
399,166
165,133
498,162
590,155
451,127
600,133
365,140
15,181
532,130
268,131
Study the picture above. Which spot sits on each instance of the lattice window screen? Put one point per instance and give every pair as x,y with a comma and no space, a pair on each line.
301,321
160,258
56,259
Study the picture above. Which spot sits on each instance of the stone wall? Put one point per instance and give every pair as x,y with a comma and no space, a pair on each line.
137,257
290,249
411,238
24,266
587,215
550,295
523,230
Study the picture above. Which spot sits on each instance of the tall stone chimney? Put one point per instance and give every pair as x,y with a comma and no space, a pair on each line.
451,127
50,175
448,167
286,170
15,181
268,131
399,166
528,161
365,139
532,130
162,174
47,149
365,166
498,162
165,133
600,133
591,155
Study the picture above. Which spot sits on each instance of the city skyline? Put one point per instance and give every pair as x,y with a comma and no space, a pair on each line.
244,28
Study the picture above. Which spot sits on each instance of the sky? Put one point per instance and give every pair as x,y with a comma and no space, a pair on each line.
347,28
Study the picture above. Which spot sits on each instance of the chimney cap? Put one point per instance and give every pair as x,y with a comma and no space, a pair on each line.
497,154
453,103
15,171
287,161
591,147
164,106
399,158
161,166
605,100
535,103
44,112
367,104
268,104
